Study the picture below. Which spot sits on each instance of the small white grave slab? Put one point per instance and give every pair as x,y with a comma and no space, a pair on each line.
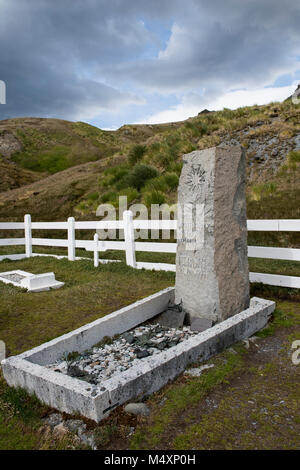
31,282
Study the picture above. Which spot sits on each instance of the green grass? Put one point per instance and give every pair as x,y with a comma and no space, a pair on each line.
280,319
136,153
153,197
249,419
260,265
293,157
274,266
28,319
51,161
179,395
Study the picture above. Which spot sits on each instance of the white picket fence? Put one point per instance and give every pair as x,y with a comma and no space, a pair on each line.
130,246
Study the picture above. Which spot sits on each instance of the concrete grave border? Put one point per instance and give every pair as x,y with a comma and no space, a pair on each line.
74,396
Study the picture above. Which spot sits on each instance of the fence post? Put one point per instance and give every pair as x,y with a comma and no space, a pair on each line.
96,252
71,239
28,236
129,238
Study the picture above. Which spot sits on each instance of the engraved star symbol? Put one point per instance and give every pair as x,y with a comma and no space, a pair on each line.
196,177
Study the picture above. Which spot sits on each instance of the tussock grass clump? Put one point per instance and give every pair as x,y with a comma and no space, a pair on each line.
139,175
93,196
263,189
136,154
156,184
154,197
109,196
114,176
171,180
132,194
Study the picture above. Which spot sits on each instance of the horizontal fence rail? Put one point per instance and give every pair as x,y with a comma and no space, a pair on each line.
271,225
275,225
289,254
276,280
129,225
12,241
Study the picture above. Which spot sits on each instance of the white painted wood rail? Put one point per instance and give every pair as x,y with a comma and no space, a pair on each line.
276,280
290,254
274,225
130,246
12,241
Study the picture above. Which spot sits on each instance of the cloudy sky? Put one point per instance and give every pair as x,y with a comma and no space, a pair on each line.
111,62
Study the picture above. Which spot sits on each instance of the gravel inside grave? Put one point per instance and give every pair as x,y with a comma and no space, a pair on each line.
14,277
103,361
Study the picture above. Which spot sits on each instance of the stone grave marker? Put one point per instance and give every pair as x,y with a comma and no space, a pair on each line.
212,278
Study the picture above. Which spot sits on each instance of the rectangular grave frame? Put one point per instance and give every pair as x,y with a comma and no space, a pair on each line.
74,396
14,271
33,282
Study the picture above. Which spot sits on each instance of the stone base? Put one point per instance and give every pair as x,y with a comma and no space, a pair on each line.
201,324
74,396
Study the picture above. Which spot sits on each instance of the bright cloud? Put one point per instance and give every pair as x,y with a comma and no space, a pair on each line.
231,100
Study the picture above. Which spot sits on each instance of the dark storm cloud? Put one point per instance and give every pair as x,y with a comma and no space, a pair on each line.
49,51
76,58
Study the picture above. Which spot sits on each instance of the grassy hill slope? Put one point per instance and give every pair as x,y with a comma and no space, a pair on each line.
77,166
52,145
12,176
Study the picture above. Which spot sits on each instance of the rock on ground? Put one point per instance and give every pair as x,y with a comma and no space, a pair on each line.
197,371
139,409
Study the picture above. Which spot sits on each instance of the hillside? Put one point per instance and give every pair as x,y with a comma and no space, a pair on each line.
52,145
56,168
12,176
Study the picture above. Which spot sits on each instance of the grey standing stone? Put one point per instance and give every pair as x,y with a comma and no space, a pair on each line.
212,278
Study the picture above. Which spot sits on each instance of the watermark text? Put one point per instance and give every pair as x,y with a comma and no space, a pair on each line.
296,354
190,222
2,92
2,350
